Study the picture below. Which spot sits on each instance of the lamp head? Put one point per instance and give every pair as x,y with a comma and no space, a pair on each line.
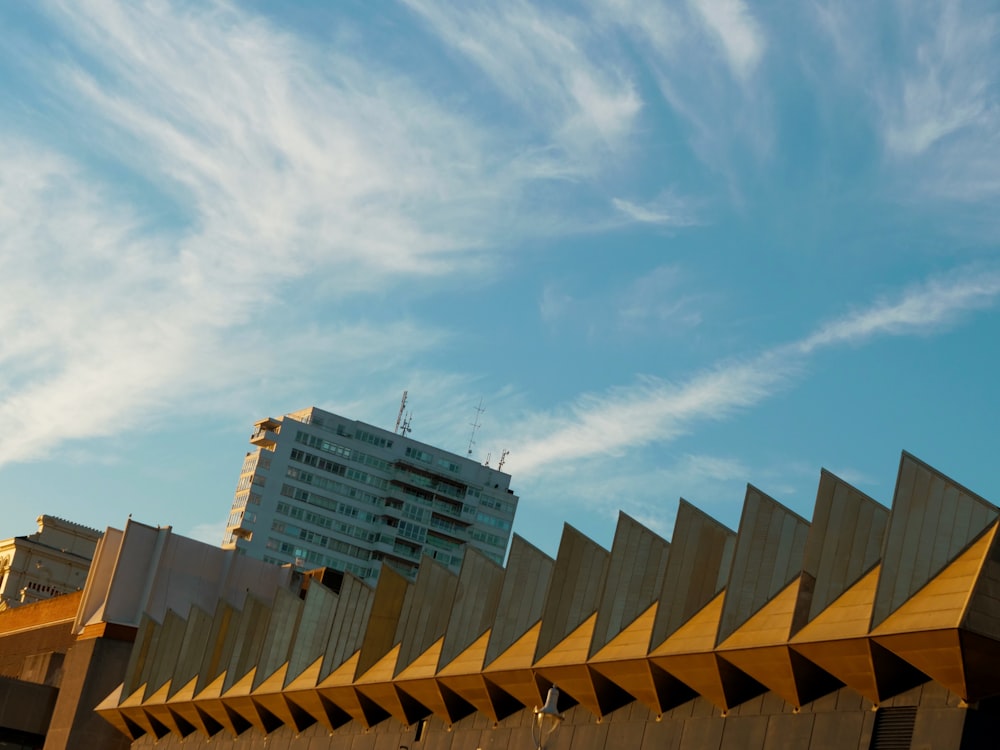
551,706
547,718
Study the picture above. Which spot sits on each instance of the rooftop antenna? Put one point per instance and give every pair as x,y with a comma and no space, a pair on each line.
399,417
487,461
405,427
503,457
475,425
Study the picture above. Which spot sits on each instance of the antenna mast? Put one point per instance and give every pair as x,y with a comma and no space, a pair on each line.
475,425
399,417
503,457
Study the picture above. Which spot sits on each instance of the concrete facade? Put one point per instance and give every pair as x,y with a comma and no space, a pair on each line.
322,490
867,628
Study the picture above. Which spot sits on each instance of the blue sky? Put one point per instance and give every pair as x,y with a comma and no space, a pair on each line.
674,247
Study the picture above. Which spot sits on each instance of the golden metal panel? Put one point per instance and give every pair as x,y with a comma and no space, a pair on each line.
635,678
942,602
700,672
565,666
463,676
302,692
759,647
417,680
131,709
769,626
520,654
424,665
575,682
770,666
156,706
473,689
623,661
388,697
270,695
208,702
848,616
338,689
573,649
182,703
521,684
108,710
770,547
933,519
426,692
470,661
308,679
632,642
938,654
237,699
381,671
634,579
697,635
274,683
376,685
847,659
511,670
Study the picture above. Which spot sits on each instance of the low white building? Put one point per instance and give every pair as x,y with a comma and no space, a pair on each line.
55,560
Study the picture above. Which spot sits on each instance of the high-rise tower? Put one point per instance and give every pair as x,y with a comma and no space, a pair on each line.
320,489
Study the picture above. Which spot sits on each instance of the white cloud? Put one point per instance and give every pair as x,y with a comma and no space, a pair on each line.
658,300
936,101
921,309
554,304
650,411
948,85
543,61
740,35
665,211
654,411
280,166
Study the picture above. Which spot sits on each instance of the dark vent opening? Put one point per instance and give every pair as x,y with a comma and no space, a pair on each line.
893,728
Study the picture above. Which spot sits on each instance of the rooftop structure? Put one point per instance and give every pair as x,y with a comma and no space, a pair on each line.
322,490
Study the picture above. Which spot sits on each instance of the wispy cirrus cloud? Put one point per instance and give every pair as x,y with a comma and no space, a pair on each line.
949,80
704,57
106,332
936,102
543,60
920,310
656,411
652,410
665,211
273,165
740,35
656,302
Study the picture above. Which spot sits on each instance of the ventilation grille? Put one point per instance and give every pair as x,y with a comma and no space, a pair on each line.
893,728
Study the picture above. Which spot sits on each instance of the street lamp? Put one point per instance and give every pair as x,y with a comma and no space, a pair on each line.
547,719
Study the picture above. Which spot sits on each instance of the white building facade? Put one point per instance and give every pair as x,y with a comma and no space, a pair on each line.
55,560
320,489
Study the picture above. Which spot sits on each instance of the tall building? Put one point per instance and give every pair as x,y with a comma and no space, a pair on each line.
320,489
